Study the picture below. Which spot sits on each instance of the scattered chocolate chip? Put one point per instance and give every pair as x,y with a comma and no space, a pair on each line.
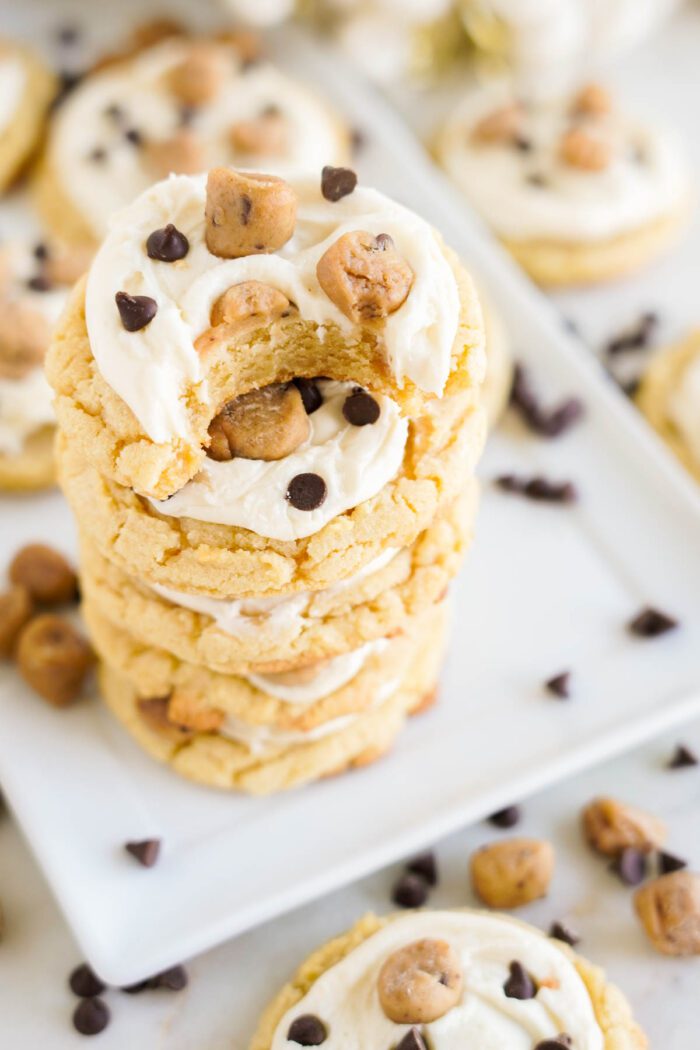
134,136
650,623
425,865
564,933
537,179
637,337
559,1041
545,422
311,396
306,491
523,144
539,488
506,818
115,113
337,183
39,283
413,1040
97,155
307,1030
559,685
167,244
85,983
682,758
134,989
667,863
146,851
173,980
519,985
136,311
360,409
631,386
630,866
90,1017
411,891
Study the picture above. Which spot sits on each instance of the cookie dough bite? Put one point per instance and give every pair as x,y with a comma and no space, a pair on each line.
179,106
576,190
26,91
669,396
435,978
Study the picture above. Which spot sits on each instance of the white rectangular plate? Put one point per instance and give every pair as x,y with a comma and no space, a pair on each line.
545,589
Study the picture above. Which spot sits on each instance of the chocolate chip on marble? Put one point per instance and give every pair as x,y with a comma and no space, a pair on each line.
90,1016
560,685
306,491
135,989
413,1040
564,933
506,818
337,183
411,891
650,623
145,851
85,983
630,865
167,244
173,980
360,408
307,1030
519,984
136,311
311,396
425,865
539,488
668,862
546,422
682,758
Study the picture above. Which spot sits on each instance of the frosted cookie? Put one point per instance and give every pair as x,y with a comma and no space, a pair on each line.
287,630
266,758
26,91
208,288
499,364
669,396
180,106
577,191
448,979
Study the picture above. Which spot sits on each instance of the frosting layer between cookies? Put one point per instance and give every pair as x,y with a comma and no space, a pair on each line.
346,1000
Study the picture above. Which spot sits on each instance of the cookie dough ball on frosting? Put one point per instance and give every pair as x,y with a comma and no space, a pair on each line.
179,106
442,979
26,91
576,190
669,396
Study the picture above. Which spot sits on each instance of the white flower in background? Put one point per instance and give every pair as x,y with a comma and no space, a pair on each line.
261,12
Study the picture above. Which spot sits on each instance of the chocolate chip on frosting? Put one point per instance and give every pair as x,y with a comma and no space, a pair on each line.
337,183
360,409
310,395
266,424
306,491
145,851
364,276
136,311
307,1030
247,213
167,244
560,1042
420,982
519,984
413,1040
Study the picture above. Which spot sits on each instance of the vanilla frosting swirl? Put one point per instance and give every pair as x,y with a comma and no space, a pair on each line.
346,1000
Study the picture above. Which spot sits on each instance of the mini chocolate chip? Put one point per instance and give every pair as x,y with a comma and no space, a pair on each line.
546,422
90,1017
524,145
668,862
39,283
564,933
186,115
41,251
411,891
383,242
134,989
311,396
246,208
559,685
637,337
413,1040
134,136
360,409
167,244
506,818
114,112
519,985
425,865
85,983
559,1041
337,183
146,851
306,491
136,311
631,386
97,155
174,979
307,1030
682,758
67,81
537,179
630,865
539,488
67,35
650,623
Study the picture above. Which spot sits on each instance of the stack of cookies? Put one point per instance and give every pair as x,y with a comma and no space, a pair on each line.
268,395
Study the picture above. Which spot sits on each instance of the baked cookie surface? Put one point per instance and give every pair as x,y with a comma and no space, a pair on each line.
26,91
669,396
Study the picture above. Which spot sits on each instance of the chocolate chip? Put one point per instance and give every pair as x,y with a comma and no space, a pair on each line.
90,1017
506,818
136,311
307,1030
360,409
559,685
39,283
85,983
411,891
358,140
146,851
564,933
384,242
536,179
97,155
306,491
134,989
539,488
246,208
650,623
559,1041
174,979
682,758
546,422
41,251
337,183
186,115
310,395
413,1040
630,866
637,337
67,35
524,145
167,244
68,80
134,136
115,113
667,863
425,865
519,985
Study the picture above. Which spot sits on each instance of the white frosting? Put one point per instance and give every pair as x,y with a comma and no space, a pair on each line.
684,406
355,463
261,12
286,615
139,88
306,686
151,369
646,179
346,1000
13,81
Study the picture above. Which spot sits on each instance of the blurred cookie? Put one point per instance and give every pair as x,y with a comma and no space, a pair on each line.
669,396
26,91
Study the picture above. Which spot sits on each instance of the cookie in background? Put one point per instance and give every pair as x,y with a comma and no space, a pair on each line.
27,89
669,396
